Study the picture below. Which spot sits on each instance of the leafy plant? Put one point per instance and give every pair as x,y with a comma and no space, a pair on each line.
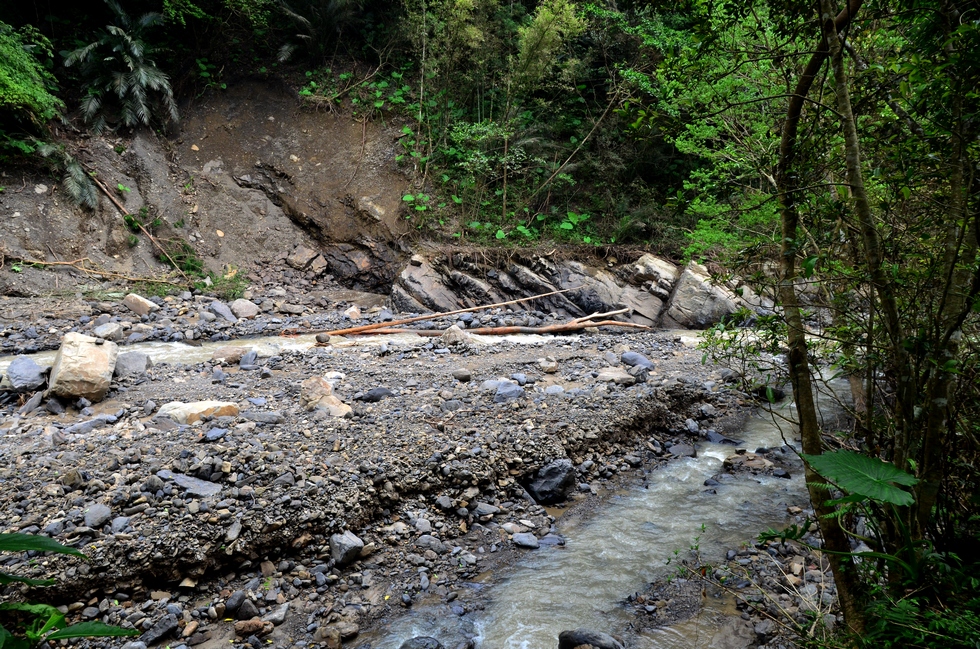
75,179
864,476
122,85
46,623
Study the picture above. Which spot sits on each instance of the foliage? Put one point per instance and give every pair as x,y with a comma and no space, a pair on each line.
76,181
864,476
45,623
319,25
26,86
123,86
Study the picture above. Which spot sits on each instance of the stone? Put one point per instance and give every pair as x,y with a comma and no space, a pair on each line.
329,636
301,257
683,450
456,336
345,547
228,354
697,302
734,634
334,407
194,486
139,305
165,627
277,615
353,313
616,375
376,394
421,642
235,601
24,375
318,265
109,331
97,515
717,438
245,309
82,368
483,509
654,269
221,310
250,626
507,392
635,359
595,639
247,611
548,365
131,364
552,482
526,540
462,375
189,413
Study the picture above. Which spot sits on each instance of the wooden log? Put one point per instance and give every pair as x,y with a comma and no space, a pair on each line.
565,327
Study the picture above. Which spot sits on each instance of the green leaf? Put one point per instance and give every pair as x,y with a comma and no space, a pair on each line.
863,475
16,542
91,629
566,226
408,198
6,578
501,234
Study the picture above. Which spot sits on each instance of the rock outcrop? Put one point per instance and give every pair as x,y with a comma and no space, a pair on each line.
656,292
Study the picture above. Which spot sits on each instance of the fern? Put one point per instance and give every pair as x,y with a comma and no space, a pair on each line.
75,179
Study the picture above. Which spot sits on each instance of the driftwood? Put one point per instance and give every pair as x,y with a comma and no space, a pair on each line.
421,318
564,327
153,240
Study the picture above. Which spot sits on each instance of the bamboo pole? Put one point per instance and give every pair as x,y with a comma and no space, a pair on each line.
395,323
565,327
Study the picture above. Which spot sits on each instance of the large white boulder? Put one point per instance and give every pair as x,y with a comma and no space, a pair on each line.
697,302
189,413
83,368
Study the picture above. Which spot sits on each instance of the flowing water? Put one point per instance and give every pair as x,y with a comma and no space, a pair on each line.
619,550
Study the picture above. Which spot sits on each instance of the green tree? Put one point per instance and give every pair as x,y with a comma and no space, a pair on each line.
27,101
123,86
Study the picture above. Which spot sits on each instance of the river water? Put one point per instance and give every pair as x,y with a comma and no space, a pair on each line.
619,550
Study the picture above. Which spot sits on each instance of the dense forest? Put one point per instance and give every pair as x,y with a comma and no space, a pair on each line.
830,153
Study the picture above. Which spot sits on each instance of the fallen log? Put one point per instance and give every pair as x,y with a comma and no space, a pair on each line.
565,327
431,316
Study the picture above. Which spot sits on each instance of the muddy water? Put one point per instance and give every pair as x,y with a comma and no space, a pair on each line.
618,551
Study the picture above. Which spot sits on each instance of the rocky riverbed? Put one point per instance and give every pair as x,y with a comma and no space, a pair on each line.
287,516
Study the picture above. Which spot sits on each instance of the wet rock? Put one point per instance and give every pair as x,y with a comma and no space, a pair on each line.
82,368
635,359
421,642
717,438
228,355
345,547
131,364
188,413
734,634
526,540
552,482
579,637
245,309
139,304
683,450
24,375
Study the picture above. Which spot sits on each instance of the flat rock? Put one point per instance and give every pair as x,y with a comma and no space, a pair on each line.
228,355
579,637
188,413
109,331
697,302
221,310
82,368
165,627
526,540
616,375
194,486
301,257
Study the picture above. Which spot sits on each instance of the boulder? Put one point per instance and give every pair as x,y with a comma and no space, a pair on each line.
301,257
24,375
734,634
334,407
587,637
244,309
221,310
132,363
421,642
188,413
507,392
82,368
654,269
345,547
312,390
697,303
139,305
228,355
552,482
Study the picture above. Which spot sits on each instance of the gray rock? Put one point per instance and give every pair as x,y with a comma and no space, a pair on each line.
507,392
82,368
483,509
431,543
345,547
526,540
109,331
97,515
244,308
579,637
261,417
234,601
691,425
221,310
119,524
25,375
162,629
552,482
247,610
376,394
444,503
634,359
734,634
717,438
277,615
462,375
421,642
683,450
131,364
194,486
